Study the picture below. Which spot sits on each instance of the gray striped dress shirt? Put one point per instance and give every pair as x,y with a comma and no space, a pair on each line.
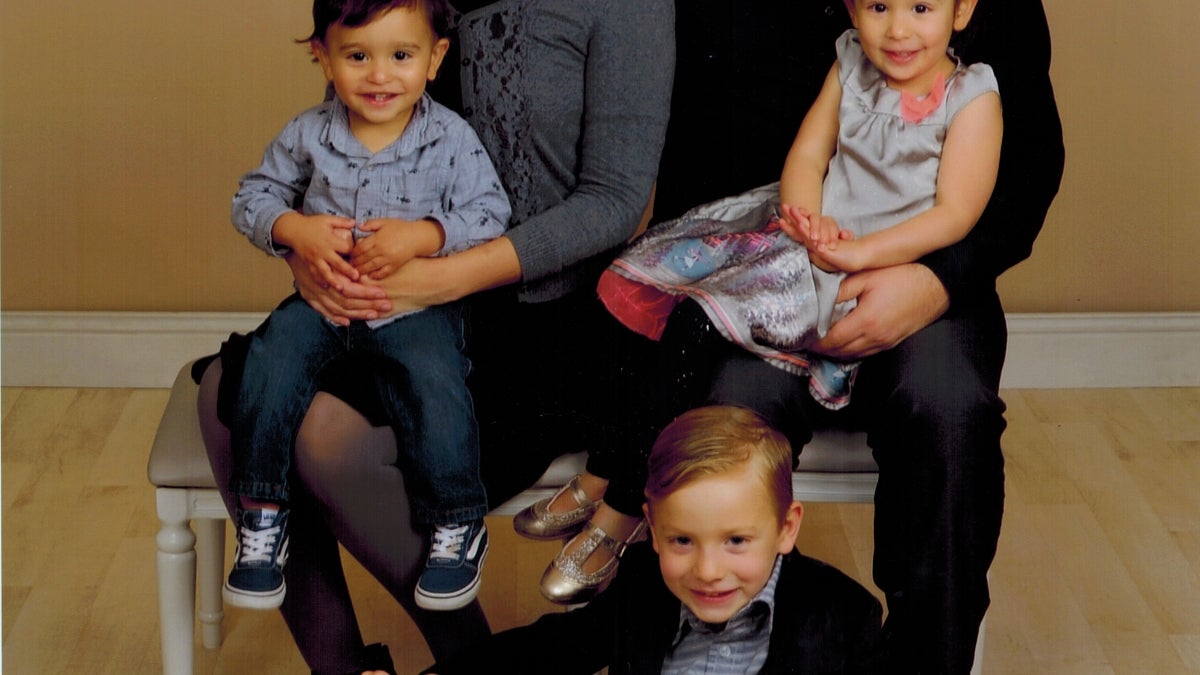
736,648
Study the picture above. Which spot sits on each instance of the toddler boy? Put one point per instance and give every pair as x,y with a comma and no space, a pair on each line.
356,187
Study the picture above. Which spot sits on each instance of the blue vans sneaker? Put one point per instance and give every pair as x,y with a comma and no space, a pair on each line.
452,572
256,580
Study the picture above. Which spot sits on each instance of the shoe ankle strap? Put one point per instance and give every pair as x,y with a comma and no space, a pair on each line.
618,546
582,500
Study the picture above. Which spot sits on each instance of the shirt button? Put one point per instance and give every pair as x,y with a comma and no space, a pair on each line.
468,111
725,651
466,61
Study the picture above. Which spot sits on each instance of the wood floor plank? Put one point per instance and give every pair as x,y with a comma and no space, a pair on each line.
33,419
123,455
14,477
1119,616
1188,542
13,600
1174,411
8,398
1132,529
130,644
51,618
1043,615
1188,647
823,536
858,520
1031,474
1171,485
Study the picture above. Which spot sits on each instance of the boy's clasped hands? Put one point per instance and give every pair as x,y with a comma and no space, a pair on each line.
333,255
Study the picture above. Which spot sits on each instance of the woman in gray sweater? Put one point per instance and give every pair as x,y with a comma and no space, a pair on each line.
571,100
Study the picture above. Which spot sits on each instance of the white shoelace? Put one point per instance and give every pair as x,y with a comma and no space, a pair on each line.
448,540
256,545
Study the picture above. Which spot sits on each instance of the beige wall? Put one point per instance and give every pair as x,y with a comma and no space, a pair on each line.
126,124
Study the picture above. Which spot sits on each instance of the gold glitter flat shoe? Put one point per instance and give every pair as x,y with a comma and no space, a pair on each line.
565,582
537,522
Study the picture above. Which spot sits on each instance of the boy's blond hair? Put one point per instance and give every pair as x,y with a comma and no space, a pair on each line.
715,439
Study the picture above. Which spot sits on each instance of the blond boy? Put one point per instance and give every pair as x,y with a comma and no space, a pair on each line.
727,590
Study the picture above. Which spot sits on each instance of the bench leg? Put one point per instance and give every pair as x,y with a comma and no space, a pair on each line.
176,565
210,566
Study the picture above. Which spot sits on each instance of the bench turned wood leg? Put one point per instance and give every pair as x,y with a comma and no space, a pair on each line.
210,568
176,567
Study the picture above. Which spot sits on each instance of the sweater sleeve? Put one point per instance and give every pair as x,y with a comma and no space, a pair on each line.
627,88
1031,156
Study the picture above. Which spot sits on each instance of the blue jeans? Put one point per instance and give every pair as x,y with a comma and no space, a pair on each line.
419,370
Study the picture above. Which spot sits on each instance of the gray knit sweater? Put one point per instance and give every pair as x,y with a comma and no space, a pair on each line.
571,98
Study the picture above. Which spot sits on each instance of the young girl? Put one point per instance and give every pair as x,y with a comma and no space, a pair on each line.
896,158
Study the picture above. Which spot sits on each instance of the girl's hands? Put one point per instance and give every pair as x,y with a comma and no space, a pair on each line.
829,247
320,243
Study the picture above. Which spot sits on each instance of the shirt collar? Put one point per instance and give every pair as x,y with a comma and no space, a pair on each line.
759,612
422,130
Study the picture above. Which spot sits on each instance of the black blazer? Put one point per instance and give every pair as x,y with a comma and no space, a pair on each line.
824,622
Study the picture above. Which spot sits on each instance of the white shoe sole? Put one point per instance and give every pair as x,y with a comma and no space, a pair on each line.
449,601
252,600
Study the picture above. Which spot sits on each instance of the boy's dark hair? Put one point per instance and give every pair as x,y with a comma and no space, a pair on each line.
354,13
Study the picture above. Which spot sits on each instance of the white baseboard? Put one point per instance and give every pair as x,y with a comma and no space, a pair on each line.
109,349
146,349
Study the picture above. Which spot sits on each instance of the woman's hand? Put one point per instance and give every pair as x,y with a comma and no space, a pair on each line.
424,282
893,303
417,284
354,300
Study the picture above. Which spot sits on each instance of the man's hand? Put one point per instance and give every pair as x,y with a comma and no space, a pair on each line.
893,303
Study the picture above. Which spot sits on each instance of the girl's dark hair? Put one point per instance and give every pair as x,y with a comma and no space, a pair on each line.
356,13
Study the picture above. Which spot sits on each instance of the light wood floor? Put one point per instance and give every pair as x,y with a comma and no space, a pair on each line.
1098,569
